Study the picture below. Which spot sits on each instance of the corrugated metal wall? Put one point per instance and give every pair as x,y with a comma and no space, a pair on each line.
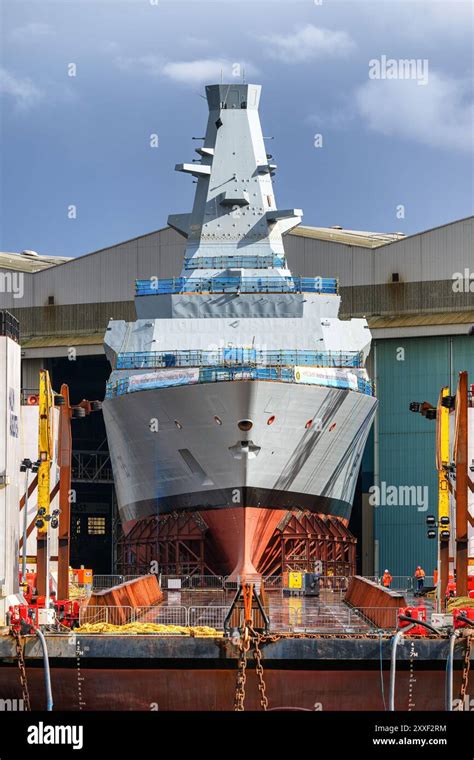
407,442
109,275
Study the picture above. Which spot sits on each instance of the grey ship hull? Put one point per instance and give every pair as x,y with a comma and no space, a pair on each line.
240,482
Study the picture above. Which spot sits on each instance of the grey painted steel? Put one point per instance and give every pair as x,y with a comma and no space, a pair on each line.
149,467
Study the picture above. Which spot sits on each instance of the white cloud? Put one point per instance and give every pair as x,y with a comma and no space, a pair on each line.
338,117
439,114
109,46
208,70
34,30
197,42
415,19
24,92
308,43
187,72
152,65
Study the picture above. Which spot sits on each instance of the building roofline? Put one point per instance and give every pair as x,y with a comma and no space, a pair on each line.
162,229
431,229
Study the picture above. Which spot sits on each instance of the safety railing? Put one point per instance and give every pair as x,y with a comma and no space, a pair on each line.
113,615
191,582
9,326
233,357
315,615
238,262
403,582
162,615
209,616
227,374
326,582
102,582
337,618
237,285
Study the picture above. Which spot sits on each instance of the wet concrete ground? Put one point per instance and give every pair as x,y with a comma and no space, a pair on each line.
325,613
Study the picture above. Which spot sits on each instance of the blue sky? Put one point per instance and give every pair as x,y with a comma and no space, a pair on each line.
141,67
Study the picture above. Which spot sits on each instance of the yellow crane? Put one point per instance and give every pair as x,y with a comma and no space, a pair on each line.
45,455
442,465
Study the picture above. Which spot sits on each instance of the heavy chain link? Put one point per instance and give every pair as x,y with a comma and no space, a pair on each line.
249,636
466,668
239,698
21,666
257,654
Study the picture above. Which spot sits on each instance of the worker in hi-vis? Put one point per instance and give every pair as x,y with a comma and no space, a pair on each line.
420,578
387,579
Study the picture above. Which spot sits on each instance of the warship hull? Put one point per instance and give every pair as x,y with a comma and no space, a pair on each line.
181,448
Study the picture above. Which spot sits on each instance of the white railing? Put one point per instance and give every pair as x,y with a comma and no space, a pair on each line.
192,582
323,618
162,615
208,616
113,615
102,582
334,619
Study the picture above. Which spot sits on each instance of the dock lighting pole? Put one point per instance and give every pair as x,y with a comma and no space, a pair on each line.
26,466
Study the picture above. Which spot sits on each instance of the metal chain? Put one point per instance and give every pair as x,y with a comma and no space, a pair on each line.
21,666
257,654
239,698
466,668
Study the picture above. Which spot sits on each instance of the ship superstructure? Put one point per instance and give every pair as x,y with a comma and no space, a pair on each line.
237,392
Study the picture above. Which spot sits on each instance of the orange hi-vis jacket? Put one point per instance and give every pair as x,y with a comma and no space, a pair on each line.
419,573
387,579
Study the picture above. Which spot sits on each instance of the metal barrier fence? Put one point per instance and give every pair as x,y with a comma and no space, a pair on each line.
157,286
191,582
196,582
239,262
9,325
405,583
238,356
337,618
116,615
102,582
271,582
162,614
227,374
297,616
210,616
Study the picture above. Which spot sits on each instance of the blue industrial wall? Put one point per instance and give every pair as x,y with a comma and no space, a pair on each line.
407,440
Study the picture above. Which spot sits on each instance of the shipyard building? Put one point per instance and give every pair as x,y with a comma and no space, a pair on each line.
416,292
